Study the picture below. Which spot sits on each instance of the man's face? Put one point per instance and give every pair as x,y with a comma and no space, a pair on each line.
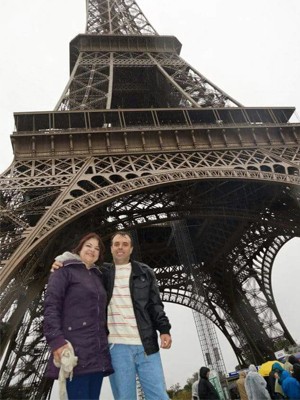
121,249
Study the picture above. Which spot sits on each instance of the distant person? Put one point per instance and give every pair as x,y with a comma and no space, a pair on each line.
233,391
75,312
280,374
288,366
293,360
256,385
195,390
240,383
206,390
291,385
271,382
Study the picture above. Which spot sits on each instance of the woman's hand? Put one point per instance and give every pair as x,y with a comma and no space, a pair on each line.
57,352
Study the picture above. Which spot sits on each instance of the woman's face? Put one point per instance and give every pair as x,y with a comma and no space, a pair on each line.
90,252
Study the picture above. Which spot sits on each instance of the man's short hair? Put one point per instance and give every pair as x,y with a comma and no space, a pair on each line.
122,233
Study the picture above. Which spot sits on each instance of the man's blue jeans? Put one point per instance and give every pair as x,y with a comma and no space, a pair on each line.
129,361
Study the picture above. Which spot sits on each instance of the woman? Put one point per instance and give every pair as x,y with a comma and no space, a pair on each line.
240,383
256,385
280,374
206,389
291,384
75,311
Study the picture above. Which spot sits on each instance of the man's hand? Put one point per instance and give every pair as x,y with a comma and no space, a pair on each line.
165,341
56,265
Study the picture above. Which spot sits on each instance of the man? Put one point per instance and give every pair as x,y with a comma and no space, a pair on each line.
195,390
206,389
135,313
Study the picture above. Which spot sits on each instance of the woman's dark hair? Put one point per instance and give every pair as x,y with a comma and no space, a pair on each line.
87,237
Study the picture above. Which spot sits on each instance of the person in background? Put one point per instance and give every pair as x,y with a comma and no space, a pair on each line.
256,385
280,374
271,382
135,314
240,383
287,365
75,312
206,389
291,384
195,390
293,360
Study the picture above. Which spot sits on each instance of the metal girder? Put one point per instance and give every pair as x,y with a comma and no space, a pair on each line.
116,17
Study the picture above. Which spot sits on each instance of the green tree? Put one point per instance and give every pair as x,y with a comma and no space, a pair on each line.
174,389
176,393
190,381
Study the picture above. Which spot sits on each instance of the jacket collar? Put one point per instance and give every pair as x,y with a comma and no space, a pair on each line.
137,269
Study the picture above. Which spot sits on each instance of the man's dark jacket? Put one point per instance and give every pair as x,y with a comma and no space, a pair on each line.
147,305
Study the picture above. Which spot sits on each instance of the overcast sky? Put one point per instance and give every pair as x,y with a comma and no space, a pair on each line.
249,48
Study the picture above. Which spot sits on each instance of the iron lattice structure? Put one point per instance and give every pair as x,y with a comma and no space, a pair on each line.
139,140
206,330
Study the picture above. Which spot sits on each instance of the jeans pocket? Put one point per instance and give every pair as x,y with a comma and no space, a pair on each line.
111,346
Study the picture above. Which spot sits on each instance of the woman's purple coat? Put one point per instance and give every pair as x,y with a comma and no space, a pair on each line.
75,310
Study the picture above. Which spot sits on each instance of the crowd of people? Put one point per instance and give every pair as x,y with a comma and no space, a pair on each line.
282,382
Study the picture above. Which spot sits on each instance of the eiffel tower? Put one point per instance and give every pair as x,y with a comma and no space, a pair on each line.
140,140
